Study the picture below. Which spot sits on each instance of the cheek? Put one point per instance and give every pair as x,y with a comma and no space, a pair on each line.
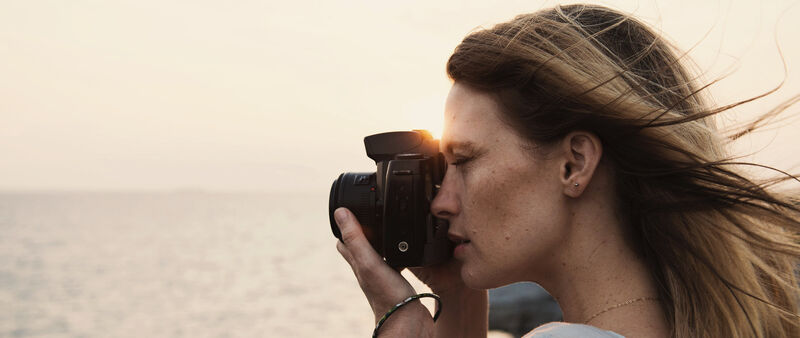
495,199
512,207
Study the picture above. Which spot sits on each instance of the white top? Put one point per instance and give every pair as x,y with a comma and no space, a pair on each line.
569,330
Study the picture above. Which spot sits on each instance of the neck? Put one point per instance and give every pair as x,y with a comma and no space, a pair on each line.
599,271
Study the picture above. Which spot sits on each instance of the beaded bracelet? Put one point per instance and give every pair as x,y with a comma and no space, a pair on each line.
406,301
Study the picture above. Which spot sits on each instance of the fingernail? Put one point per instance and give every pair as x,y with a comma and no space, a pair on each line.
340,215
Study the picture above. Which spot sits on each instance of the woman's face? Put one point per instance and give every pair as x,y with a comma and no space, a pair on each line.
503,201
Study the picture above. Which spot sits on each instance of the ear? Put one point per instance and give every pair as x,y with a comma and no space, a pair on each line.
582,153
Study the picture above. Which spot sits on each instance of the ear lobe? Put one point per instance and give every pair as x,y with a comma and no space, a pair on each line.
583,151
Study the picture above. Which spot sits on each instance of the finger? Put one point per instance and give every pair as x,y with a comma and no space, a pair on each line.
344,252
361,252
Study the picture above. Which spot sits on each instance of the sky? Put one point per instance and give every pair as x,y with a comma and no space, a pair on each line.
277,96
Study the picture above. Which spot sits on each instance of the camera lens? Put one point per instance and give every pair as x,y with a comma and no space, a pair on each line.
357,192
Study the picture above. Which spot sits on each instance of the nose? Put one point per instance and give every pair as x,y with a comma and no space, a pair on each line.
445,205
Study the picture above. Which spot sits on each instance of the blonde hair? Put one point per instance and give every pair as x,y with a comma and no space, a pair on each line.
722,247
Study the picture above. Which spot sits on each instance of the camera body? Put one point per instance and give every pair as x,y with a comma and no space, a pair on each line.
392,204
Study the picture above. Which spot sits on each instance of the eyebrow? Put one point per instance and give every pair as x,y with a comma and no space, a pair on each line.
465,145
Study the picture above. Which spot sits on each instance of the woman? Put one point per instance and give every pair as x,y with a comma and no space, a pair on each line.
582,157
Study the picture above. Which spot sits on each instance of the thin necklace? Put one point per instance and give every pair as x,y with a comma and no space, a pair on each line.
627,302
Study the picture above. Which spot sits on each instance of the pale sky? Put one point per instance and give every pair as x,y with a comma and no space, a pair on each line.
277,96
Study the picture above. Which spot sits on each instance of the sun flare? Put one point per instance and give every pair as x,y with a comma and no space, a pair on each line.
435,127
426,113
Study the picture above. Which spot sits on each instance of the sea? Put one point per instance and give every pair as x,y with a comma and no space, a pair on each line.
175,264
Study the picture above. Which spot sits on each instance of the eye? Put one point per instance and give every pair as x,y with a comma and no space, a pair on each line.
461,161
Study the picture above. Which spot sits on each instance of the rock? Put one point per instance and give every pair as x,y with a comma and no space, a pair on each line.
519,308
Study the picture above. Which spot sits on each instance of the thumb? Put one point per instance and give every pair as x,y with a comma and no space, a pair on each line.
354,244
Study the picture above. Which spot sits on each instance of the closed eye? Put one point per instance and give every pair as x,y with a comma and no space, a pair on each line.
461,161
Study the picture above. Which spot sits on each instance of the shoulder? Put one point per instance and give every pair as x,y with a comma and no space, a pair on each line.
565,330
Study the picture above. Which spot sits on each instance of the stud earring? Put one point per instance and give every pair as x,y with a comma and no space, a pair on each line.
577,184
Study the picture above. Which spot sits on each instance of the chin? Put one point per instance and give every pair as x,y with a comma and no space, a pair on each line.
481,280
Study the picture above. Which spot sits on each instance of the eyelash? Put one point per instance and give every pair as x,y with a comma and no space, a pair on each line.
461,161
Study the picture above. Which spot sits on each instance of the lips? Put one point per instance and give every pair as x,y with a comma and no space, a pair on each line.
461,244
457,239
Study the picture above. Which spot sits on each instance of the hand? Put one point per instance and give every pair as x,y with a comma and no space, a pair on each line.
443,279
383,286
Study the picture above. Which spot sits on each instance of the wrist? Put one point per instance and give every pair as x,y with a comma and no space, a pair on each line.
411,320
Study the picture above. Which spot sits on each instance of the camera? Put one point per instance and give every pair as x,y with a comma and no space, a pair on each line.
393,203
